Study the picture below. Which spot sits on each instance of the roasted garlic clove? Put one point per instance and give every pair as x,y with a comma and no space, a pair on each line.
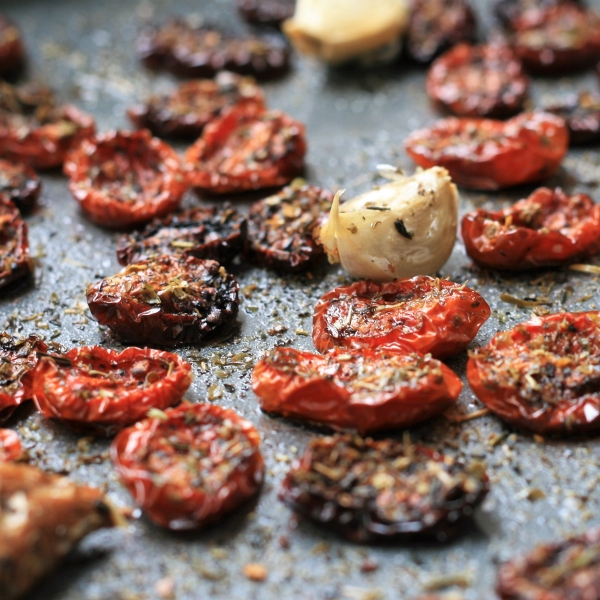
401,229
340,30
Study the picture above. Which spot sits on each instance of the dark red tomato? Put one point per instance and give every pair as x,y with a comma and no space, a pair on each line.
18,357
485,154
104,390
202,231
165,301
557,40
19,184
582,115
266,12
193,104
124,178
34,130
10,445
202,51
370,490
546,229
508,10
422,314
436,25
479,81
15,262
190,465
363,390
280,228
567,569
12,52
542,374
247,148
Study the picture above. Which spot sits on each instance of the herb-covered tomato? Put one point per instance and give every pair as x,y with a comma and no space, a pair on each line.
486,154
193,104
104,390
15,262
202,231
266,12
190,465
280,228
165,301
34,130
569,569
582,115
371,490
247,148
542,374
422,314
557,40
486,80
364,390
124,178
12,53
20,184
10,445
546,229
436,25
192,51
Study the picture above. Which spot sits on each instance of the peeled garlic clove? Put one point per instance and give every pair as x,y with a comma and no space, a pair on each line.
401,229
339,30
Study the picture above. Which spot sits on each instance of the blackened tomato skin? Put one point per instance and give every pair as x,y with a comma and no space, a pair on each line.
104,390
546,229
182,468
20,184
10,445
400,389
422,314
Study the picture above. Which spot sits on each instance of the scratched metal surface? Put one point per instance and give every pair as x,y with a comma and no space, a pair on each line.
355,120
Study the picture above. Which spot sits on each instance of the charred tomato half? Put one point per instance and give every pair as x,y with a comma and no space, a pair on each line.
12,51
266,12
582,116
20,184
15,262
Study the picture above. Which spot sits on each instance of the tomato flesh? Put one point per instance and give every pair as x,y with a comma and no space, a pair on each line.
10,445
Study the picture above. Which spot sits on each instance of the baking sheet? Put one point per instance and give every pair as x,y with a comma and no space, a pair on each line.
355,120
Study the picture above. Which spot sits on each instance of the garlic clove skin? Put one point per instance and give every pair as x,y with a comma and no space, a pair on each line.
404,228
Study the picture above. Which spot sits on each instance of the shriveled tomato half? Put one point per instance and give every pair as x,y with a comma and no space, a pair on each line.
364,390
485,80
542,374
20,184
546,229
422,314
582,116
486,154
165,301
509,10
15,262
104,390
190,465
370,490
12,52
125,178
10,445
247,148
266,12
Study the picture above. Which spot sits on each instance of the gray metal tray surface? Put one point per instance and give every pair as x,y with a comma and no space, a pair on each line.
541,490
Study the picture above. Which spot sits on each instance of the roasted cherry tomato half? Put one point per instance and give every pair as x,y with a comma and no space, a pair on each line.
12,52
190,465
191,51
124,178
247,148
20,184
371,490
541,375
34,130
436,25
582,115
266,12
185,111
363,390
566,569
485,154
15,262
557,40
10,445
280,228
104,390
202,231
546,229
165,301
422,314
508,10
486,80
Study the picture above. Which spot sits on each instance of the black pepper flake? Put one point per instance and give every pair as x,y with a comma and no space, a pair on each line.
401,229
